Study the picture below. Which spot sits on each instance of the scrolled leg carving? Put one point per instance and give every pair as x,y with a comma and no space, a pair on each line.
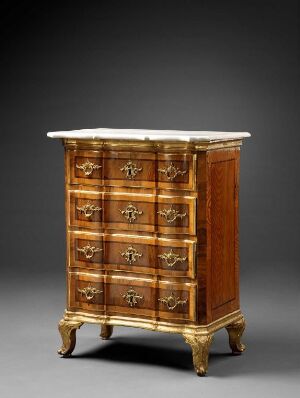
200,347
106,331
67,331
235,331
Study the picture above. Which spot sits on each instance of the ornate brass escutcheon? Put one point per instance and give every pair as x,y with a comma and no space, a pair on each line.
89,292
171,214
131,297
172,301
131,170
89,250
88,209
131,212
131,254
88,167
171,172
171,258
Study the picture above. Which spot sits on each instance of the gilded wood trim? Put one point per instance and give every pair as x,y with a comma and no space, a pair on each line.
152,146
155,325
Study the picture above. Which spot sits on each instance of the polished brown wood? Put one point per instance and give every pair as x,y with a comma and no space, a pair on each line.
110,292
112,168
152,239
111,212
100,251
217,225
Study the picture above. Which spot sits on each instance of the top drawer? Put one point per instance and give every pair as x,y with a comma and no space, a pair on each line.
131,169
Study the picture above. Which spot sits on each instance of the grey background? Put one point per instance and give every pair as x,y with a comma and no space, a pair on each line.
211,65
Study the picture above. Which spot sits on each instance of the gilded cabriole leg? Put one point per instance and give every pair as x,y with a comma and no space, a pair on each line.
200,348
67,331
106,331
235,331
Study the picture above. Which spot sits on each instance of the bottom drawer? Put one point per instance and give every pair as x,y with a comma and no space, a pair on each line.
125,296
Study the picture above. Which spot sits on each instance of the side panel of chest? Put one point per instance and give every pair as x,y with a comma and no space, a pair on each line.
217,226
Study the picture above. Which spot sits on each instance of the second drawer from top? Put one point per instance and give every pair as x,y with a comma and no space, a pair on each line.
132,212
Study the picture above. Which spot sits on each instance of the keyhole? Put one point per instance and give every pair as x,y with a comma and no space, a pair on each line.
129,172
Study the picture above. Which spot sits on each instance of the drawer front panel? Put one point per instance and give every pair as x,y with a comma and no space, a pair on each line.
133,296
86,292
85,167
129,169
176,171
170,257
164,214
150,298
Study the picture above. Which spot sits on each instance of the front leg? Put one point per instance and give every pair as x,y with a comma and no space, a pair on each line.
235,331
67,331
106,331
200,347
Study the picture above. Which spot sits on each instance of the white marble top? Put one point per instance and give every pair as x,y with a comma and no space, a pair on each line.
152,135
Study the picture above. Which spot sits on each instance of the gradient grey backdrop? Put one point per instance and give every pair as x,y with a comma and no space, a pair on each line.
227,65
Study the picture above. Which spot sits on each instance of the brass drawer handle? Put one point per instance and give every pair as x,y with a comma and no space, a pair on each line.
171,172
172,301
89,250
88,209
171,214
131,212
89,292
131,297
88,167
131,170
131,254
171,258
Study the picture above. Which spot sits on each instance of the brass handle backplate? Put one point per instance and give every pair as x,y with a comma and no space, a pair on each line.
131,170
89,292
131,297
131,212
131,254
88,209
171,172
171,258
172,301
171,214
89,250
88,167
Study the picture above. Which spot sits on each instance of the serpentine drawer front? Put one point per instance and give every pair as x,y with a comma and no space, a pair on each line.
96,251
132,296
129,169
152,234
135,212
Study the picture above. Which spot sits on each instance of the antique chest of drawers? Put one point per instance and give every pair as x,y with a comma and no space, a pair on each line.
152,234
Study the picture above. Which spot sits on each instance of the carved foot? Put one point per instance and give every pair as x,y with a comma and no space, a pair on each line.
106,331
67,331
200,347
235,331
